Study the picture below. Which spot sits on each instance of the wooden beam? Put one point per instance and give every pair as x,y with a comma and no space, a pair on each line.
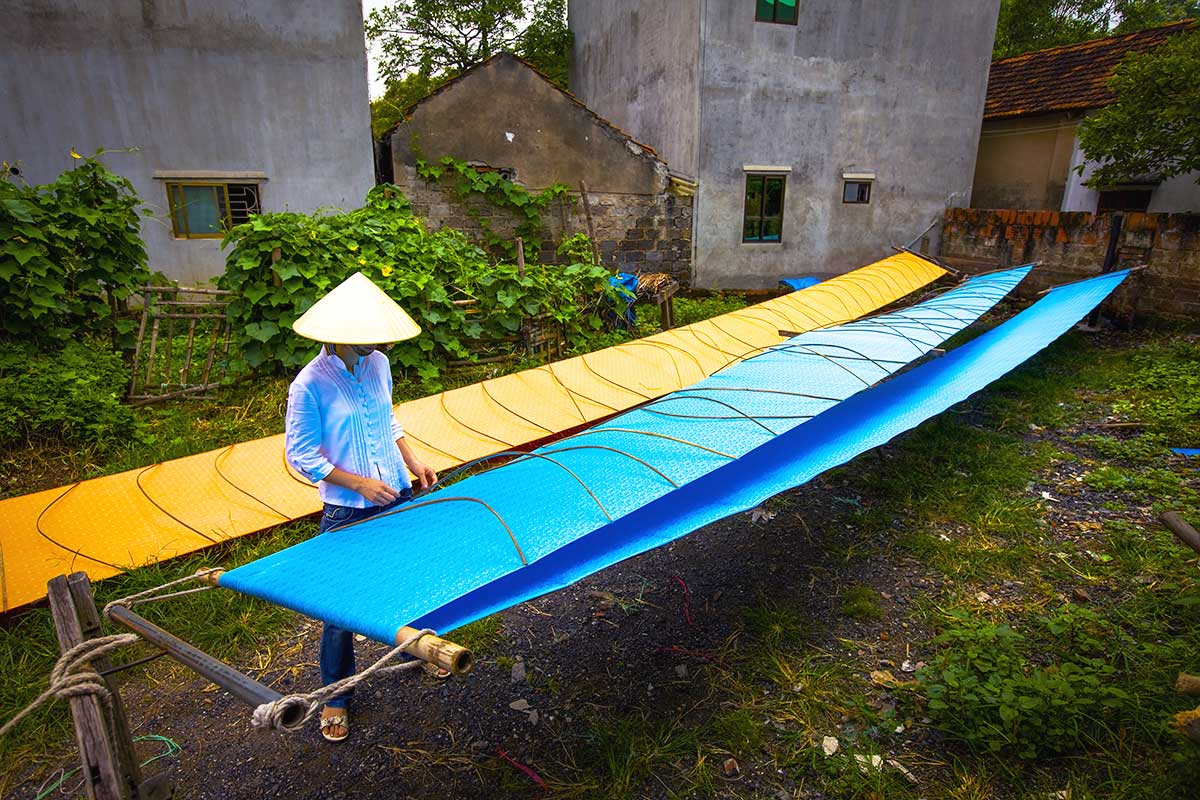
122,738
97,759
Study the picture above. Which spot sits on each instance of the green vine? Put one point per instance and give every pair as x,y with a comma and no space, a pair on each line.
500,192
280,263
71,252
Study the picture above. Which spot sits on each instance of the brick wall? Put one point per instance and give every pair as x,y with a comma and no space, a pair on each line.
634,232
1073,245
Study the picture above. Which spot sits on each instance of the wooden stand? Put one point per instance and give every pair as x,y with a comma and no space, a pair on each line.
106,752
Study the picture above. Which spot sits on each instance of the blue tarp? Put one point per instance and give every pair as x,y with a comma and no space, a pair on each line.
660,471
799,283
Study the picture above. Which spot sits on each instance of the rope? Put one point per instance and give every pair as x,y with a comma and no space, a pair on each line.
151,595
73,675
270,715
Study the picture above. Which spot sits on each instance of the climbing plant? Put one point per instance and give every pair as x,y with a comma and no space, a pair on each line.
71,252
281,263
502,193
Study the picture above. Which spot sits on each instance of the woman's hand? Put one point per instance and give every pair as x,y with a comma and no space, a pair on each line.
424,473
377,492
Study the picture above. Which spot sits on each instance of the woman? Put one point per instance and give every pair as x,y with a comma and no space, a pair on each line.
343,436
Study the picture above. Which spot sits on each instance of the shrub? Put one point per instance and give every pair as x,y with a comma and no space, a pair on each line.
70,254
984,687
424,272
72,395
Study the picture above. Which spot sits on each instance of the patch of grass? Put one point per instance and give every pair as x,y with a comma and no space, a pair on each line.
694,309
1145,485
1147,448
622,755
225,624
738,730
480,636
1162,389
949,471
773,624
861,603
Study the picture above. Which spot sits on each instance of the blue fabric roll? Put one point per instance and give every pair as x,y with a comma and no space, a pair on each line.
660,471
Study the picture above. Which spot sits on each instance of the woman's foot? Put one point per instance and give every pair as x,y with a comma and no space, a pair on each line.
335,723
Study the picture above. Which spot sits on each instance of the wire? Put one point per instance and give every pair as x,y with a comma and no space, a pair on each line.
224,477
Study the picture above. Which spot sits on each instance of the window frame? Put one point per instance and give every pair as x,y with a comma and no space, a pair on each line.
775,14
177,209
765,176
861,182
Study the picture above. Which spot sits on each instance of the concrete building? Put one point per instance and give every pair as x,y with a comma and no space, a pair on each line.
504,116
820,133
234,106
1029,151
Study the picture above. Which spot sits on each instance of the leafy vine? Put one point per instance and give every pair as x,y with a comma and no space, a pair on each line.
500,192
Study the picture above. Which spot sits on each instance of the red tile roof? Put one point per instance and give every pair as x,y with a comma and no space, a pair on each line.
1070,77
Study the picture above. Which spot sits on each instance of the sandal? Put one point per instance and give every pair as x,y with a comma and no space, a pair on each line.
335,720
434,671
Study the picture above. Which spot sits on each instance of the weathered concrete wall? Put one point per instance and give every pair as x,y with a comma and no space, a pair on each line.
272,86
637,64
1072,246
634,232
1025,163
893,88
1031,163
504,114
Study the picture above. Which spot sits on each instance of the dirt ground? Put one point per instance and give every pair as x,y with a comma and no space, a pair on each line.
584,655
634,638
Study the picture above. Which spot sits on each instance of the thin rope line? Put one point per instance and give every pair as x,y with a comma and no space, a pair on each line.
224,477
138,480
492,397
448,413
674,397
414,505
656,435
37,524
618,451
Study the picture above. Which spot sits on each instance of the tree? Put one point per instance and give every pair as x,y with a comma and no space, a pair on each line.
445,37
428,42
1026,25
442,36
399,95
1153,127
546,43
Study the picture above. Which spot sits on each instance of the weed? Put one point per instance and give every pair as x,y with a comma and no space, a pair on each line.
985,688
861,603
773,624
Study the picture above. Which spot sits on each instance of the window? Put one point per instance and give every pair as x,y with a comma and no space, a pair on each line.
856,192
776,11
763,220
1127,199
207,210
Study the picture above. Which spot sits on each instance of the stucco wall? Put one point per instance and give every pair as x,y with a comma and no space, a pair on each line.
893,88
504,114
1025,163
637,63
1072,246
1031,163
272,86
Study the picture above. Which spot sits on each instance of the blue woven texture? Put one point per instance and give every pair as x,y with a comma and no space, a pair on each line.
576,506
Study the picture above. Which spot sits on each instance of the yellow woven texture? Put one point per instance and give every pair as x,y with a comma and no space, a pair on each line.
109,524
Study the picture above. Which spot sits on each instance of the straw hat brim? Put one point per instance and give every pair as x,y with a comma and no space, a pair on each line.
356,311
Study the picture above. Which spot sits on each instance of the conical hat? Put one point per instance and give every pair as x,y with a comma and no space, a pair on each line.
356,311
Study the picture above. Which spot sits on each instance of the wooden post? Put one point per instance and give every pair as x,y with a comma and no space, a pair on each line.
520,257
587,212
101,778
1183,531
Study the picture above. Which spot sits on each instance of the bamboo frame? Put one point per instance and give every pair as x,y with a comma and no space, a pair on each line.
205,320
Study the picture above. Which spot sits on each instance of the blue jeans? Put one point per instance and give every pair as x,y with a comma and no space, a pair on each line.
337,644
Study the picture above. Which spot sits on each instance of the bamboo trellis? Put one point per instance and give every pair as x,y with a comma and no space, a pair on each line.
198,317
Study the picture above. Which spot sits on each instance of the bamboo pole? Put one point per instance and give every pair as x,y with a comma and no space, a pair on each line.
1183,531
429,647
587,212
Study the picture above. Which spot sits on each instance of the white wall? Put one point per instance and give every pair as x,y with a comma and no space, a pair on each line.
272,86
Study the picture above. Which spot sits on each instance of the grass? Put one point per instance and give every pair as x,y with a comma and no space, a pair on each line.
960,498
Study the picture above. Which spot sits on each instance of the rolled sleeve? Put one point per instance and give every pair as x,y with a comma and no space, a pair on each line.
302,440
397,428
